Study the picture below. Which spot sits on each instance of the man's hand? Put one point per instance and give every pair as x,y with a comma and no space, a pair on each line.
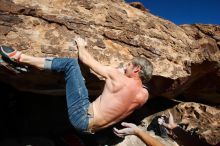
81,43
84,56
131,129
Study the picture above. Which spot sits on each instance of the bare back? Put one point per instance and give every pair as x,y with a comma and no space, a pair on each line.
120,97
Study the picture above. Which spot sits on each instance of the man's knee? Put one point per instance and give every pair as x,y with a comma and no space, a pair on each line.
71,62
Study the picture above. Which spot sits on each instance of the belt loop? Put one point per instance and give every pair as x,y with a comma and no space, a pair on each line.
90,114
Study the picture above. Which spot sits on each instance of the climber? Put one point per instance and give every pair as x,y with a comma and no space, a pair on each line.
123,91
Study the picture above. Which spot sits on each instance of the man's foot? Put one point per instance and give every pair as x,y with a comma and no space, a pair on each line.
10,54
9,59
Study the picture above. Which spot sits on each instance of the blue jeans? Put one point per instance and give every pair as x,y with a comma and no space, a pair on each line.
76,91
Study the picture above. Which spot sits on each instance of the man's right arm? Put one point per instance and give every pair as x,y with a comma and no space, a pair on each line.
87,59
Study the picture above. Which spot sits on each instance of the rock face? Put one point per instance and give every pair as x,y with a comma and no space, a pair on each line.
185,58
204,118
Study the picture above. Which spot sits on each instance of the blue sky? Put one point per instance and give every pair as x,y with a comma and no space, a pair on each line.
185,11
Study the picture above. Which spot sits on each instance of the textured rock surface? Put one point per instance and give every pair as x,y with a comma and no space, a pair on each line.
185,57
202,117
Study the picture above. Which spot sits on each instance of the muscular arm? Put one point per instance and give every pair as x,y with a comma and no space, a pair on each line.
88,60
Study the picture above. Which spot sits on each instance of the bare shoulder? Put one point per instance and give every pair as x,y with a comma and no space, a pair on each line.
145,91
115,73
113,70
144,95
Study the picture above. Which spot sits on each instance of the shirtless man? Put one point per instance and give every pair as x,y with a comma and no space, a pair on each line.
122,94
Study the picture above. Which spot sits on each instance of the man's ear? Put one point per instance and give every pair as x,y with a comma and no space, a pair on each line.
137,69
